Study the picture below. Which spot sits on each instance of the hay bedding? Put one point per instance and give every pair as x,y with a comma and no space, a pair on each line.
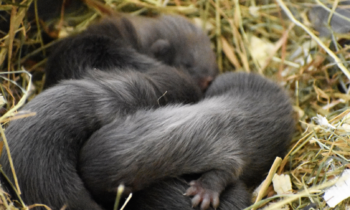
273,38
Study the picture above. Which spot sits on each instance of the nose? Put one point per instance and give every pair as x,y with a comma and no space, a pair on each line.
205,82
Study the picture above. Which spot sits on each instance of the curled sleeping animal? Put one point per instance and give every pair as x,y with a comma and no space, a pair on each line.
138,150
45,148
170,39
177,42
235,133
106,54
84,51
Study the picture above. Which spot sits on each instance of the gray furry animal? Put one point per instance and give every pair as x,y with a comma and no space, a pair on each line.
177,42
318,17
236,132
170,39
45,148
73,55
168,194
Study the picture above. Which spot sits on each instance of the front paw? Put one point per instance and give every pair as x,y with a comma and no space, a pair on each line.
202,195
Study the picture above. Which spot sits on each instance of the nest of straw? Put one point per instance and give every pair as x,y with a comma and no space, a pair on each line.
272,38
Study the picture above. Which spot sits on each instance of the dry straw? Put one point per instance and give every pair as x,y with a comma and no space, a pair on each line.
273,38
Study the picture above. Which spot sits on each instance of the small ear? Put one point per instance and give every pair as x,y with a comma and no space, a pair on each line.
160,47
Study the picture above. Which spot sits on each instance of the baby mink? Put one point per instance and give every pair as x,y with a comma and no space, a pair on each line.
170,39
236,132
45,148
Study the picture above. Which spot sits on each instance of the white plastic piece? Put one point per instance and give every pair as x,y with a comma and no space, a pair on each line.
260,49
257,190
2,100
338,192
322,121
254,11
282,184
199,23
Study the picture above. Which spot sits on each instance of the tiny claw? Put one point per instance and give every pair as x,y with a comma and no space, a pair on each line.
205,203
191,191
192,183
196,200
216,202
205,197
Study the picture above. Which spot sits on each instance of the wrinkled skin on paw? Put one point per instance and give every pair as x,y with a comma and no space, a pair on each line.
202,195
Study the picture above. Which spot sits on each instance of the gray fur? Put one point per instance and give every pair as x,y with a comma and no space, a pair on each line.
170,39
318,17
179,43
236,132
168,195
74,55
45,148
